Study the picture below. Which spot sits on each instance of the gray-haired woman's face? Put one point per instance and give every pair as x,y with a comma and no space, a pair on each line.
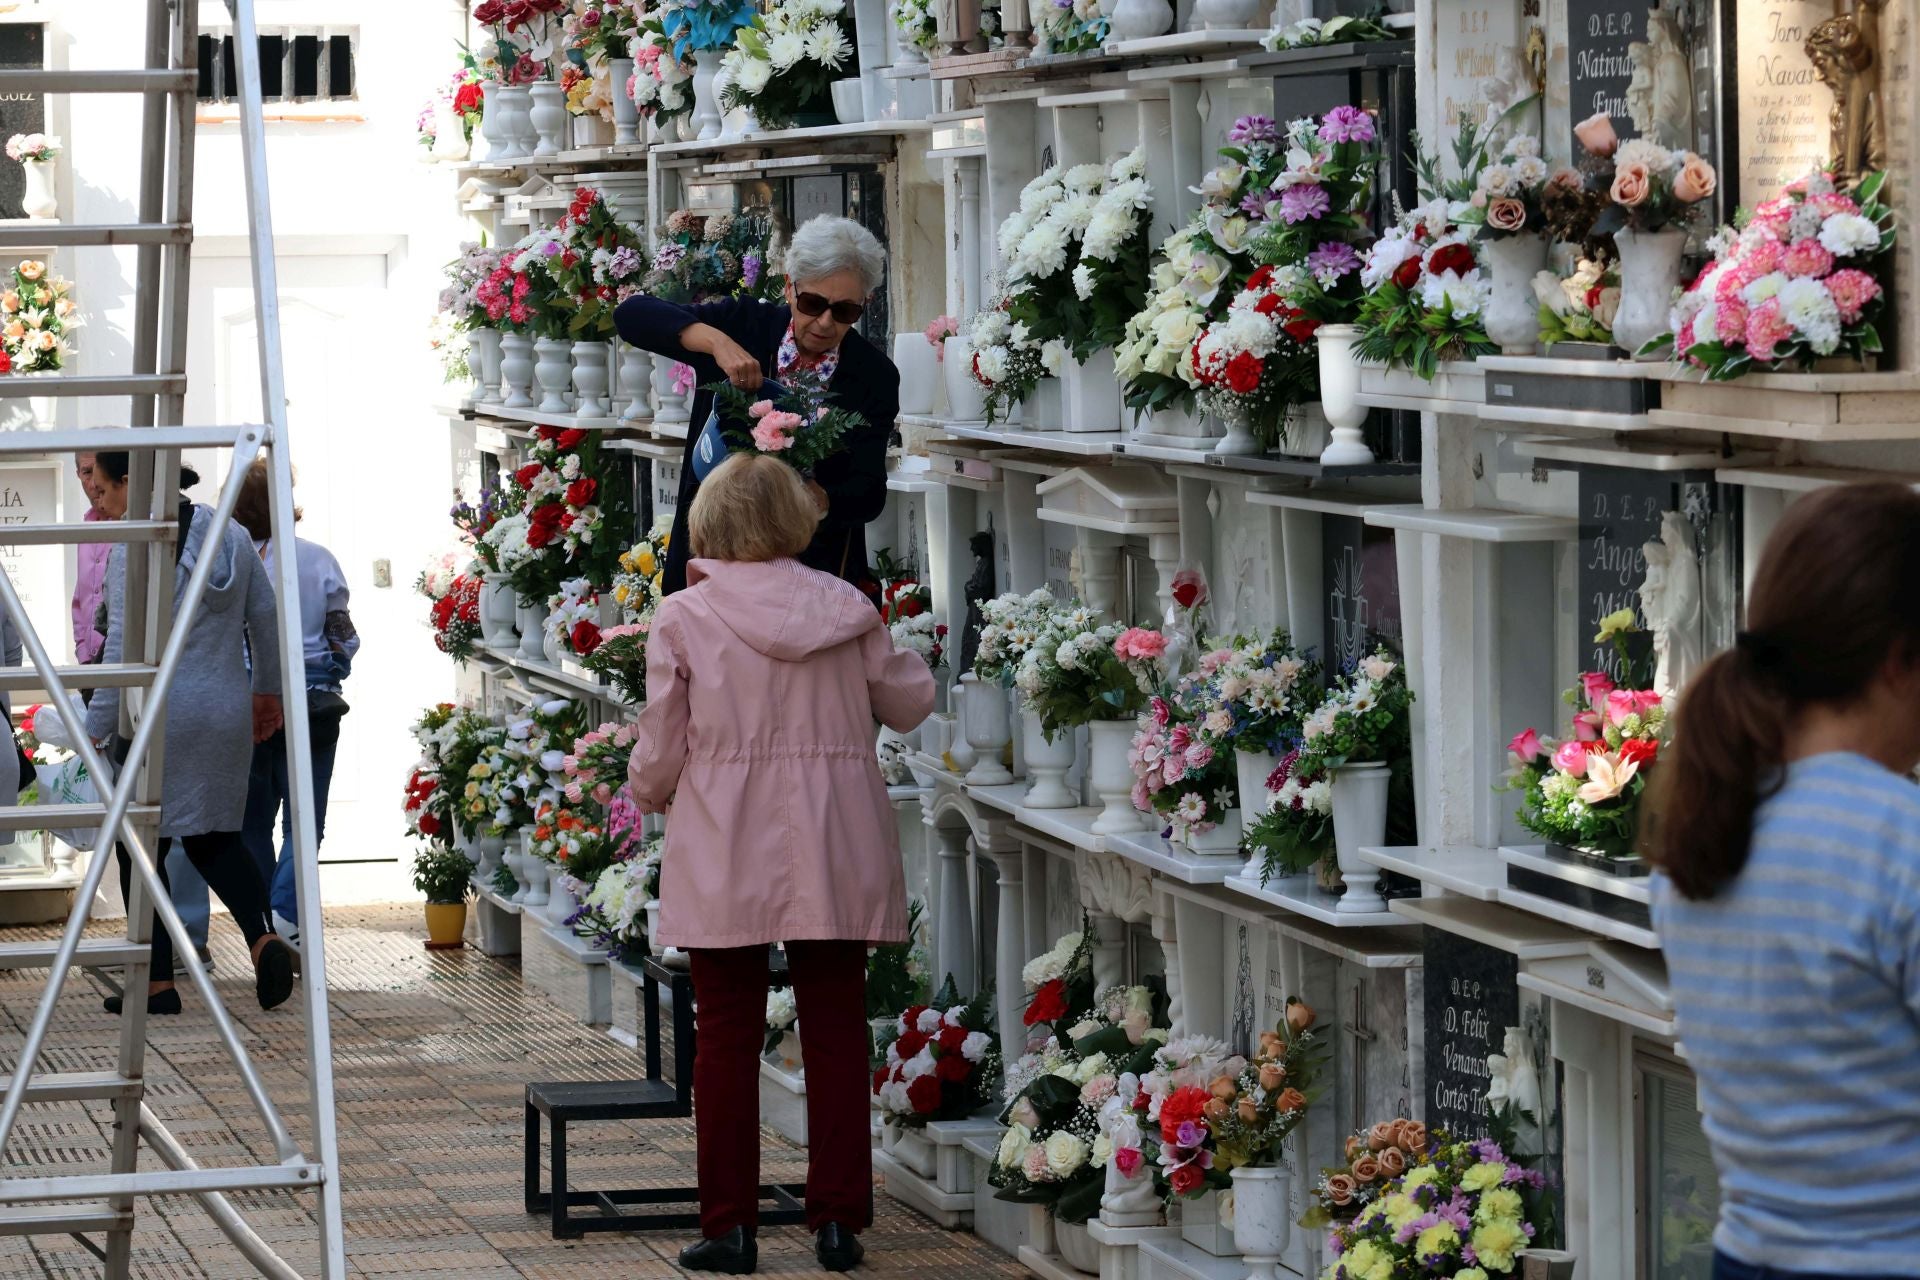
817,335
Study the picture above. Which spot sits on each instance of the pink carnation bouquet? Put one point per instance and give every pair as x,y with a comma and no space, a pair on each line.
1795,284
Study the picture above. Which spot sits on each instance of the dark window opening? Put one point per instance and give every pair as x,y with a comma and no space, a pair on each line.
306,66
310,68
273,67
339,66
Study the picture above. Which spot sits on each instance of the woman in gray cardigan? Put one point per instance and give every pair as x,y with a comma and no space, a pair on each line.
216,710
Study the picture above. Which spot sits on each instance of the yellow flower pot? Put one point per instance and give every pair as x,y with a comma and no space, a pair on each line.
446,925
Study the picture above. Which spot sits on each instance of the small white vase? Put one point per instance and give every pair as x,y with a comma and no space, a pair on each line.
1225,15
626,116
983,712
1340,396
549,115
668,404
494,130
516,371
497,611
492,849
1239,440
1220,840
518,100
553,370
449,134
1111,777
1360,821
483,354
516,861
539,876
1077,1247
1048,764
1140,19
1092,394
40,200
1262,1218
1513,314
590,380
1649,273
533,626
636,369
966,398
1251,770
919,370
847,108
706,103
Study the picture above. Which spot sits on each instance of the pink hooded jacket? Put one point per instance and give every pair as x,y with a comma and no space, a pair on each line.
763,685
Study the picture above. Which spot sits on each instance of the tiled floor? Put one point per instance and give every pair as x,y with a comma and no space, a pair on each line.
432,1054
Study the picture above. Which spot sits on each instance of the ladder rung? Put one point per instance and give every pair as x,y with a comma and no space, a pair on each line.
39,535
62,1219
76,1086
66,817
94,439
104,675
161,1182
93,953
140,81
32,235
111,384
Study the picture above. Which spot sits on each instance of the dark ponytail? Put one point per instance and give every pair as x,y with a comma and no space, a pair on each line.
116,464
1836,595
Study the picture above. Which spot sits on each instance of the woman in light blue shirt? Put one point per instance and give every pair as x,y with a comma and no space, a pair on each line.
1786,827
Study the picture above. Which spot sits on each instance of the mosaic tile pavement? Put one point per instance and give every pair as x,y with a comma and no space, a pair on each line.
432,1053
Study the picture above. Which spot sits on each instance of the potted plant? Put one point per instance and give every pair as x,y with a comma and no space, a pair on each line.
443,874
1360,734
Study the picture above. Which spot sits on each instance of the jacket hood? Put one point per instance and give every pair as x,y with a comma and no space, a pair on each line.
782,608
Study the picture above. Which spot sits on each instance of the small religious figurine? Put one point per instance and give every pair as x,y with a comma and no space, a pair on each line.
1660,94
1845,50
979,589
1670,597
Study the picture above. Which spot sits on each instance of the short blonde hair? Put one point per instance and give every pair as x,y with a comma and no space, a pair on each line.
753,507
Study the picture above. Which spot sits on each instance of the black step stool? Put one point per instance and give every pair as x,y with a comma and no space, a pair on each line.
570,1101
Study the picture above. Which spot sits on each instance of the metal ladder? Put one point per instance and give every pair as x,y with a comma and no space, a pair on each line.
156,389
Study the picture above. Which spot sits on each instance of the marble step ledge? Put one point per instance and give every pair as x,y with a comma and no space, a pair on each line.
571,971
497,921
1009,1227
1458,386
1612,906
952,1210
1814,407
1172,1258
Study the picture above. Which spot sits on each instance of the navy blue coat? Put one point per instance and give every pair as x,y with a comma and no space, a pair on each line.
866,382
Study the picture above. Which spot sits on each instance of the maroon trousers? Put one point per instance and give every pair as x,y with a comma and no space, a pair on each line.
730,993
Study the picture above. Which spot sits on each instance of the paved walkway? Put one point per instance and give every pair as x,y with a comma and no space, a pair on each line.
432,1054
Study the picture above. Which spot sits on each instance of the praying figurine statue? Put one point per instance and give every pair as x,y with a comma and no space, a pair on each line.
1670,597
1660,94
979,589
1845,50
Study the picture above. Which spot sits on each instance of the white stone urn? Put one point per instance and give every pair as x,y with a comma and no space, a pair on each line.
920,372
1360,821
40,201
483,355
1340,396
549,115
706,100
1140,19
984,715
539,876
516,371
498,611
1262,1222
1649,273
966,398
1513,314
533,627
553,370
626,116
1048,764
590,379
1111,777
1239,439
1225,15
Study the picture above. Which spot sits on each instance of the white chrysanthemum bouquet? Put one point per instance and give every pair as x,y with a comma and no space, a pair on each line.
782,65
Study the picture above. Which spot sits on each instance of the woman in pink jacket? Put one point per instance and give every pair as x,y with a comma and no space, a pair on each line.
764,679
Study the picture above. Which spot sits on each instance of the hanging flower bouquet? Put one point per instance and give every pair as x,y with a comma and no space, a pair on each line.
941,1062
1376,1157
37,319
1584,791
913,22
1794,284
455,614
1580,307
1074,673
573,617
796,424
660,85
783,64
1425,294
1010,625
1456,1214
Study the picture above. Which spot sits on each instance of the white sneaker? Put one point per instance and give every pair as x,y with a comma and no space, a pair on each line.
180,966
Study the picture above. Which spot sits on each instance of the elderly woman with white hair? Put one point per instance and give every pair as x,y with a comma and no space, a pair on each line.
833,265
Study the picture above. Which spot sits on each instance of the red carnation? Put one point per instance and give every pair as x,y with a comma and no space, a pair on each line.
1243,372
952,1039
1048,1003
1301,328
547,433
1182,1105
1186,1179
573,437
428,824
909,606
952,1068
526,475
1420,233
468,99
1268,304
910,1044
880,1078
923,1095
1261,278
1457,258
581,491
1407,273
543,524
1640,751
585,637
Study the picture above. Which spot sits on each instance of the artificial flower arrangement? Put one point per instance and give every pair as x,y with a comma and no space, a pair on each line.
1584,790
783,63
1006,361
455,611
705,257
796,424
466,275
1312,33
573,617
661,83
1183,769
574,840
1203,1112
1375,1158
703,26
941,1060
567,506
37,147
1426,295
1069,26
462,95
1266,687
621,656
503,294
1010,625
1459,1213
1364,718
1255,362
37,319
523,37
1059,982
614,912
426,801
913,23
599,266
467,738
544,309
595,33
1509,193
636,585
1200,269
1649,188
1073,673
1294,832
1793,282
596,766
1056,1148
586,86
537,744
489,800
1579,307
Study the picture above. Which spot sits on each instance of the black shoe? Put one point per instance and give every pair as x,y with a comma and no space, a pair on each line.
838,1248
273,973
734,1253
160,1002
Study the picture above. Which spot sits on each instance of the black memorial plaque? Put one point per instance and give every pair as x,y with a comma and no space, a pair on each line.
1472,997
22,47
1598,64
1620,512
1360,589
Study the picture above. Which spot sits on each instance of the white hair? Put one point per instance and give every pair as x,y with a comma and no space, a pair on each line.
825,244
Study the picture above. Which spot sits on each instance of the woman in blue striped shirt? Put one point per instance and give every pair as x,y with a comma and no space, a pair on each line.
1786,827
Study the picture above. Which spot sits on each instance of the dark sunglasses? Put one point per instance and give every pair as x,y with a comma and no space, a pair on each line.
812,304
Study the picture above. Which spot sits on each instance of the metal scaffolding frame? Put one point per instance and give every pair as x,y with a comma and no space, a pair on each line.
156,391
